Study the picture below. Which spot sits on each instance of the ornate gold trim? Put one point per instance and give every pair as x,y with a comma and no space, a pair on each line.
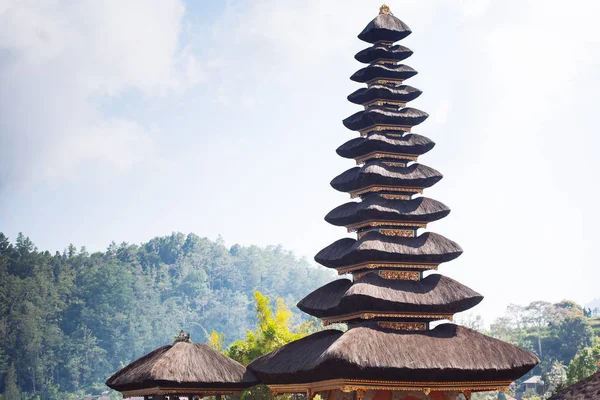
384,103
389,232
373,223
381,188
350,385
403,326
394,164
389,265
374,155
401,275
386,81
380,128
395,196
202,392
373,315
359,275
398,232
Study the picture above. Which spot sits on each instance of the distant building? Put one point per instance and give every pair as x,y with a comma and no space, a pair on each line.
532,384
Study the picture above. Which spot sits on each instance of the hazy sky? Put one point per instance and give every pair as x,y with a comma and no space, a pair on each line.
125,120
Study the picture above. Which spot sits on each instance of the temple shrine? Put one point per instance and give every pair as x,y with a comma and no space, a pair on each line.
390,350
394,347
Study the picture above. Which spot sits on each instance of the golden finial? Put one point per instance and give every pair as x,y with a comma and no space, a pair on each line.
384,9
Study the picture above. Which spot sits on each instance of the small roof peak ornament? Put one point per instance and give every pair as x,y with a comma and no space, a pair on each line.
385,9
182,337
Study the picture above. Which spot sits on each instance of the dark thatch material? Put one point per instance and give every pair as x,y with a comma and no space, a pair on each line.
384,27
411,143
401,93
379,208
447,353
383,116
372,293
585,389
376,247
383,52
378,173
383,71
182,365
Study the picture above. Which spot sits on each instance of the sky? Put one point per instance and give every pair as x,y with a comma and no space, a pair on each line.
122,121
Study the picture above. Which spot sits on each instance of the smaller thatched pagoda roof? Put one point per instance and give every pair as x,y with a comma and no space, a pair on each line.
384,27
585,389
444,355
402,93
435,294
381,52
409,144
376,247
378,173
383,71
184,368
379,208
372,116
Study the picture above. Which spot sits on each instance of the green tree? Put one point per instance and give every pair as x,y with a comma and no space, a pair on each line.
273,331
538,314
584,364
11,390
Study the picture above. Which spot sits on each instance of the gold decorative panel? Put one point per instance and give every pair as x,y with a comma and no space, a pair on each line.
372,223
401,275
374,315
404,326
394,164
395,82
425,388
385,103
378,265
395,196
397,232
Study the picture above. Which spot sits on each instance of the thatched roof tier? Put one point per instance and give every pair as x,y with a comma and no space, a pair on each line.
447,353
384,27
375,247
585,389
183,365
372,116
383,52
384,93
397,72
362,148
435,294
377,173
378,208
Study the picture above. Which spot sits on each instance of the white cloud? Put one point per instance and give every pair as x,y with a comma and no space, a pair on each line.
56,56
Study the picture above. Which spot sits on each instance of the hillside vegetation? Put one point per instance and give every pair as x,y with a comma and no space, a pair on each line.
69,320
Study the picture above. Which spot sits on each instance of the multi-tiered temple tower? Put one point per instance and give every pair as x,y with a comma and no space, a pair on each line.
389,351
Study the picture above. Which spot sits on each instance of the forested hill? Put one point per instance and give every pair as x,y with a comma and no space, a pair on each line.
70,319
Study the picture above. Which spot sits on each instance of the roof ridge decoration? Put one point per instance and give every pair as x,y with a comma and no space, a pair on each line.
388,304
182,338
384,9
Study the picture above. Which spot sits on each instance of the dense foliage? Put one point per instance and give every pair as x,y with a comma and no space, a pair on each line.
71,319
560,334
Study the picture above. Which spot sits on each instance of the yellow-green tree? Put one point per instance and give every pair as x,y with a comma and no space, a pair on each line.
216,341
273,331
